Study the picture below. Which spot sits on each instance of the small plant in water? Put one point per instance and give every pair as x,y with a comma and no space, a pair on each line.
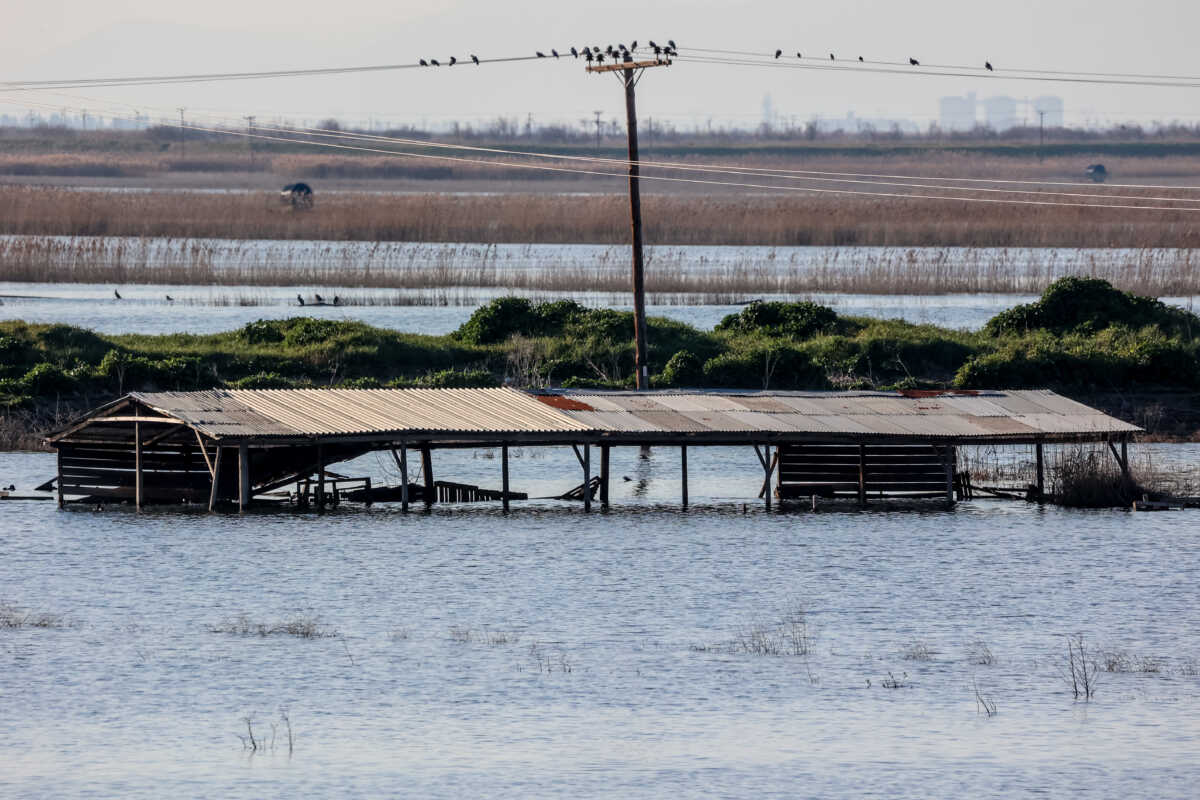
892,682
917,651
981,654
1080,668
13,617
302,627
983,705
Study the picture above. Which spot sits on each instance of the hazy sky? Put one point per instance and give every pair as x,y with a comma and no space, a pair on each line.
78,38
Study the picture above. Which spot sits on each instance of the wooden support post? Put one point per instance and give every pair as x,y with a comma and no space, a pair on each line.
770,467
137,464
320,476
604,476
427,473
635,213
216,478
1125,463
402,464
1041,473
58,483
683,472
587,477
862,475
504,473
243,476
948,460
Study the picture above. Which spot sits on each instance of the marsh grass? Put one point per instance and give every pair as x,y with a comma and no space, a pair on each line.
795,219
917,651
303,627
14,617
672,274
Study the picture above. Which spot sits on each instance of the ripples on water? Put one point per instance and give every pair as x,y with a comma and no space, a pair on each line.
553,652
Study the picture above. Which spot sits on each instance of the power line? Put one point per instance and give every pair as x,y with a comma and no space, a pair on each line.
699,181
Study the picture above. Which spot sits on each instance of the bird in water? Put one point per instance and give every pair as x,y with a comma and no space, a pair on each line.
988,66
475,58
116,294
778,53
914,62
319,298
336,300
170,299
424,63
453,61
300,299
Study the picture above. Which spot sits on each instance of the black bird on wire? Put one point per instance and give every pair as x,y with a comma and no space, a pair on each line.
798,54
988,66
475,58
453,61
832,57
555,52
588,56
116,294
860,59
652,44
424,63
574,52
778,53
671,43
540,54
319,298
434,61
300,299
608,50
914,62
633,45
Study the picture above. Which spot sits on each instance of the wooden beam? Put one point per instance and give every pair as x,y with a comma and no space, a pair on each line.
320,476
683,472
862,475
769,465
216,478
243,476
504,474
604,474
427,473
137,464
587,477
1041,472
620,65
204,452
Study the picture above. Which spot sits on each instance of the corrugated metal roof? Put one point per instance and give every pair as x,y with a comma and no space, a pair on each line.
348,412
991,416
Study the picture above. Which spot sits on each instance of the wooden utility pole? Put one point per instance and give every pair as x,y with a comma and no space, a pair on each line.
182,135
630,72
250,138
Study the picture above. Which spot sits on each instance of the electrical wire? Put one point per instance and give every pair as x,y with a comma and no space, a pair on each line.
696,181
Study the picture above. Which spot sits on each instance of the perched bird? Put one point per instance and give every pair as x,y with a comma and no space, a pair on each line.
319,298
599,58
475,58
336,299
453,61
798,54
299,299
914,62
116,294
587,51
832,57
627,478
622,48
652,44
633,45
778,53
555,52
434,61
540,54
424,63
608,50
170,299
988,66
574,52
657,50
671,43
588,56
860,59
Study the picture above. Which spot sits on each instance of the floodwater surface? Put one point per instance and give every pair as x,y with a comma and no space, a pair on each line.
643,652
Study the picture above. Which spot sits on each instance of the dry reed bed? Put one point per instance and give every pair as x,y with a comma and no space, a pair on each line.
720,219
892,271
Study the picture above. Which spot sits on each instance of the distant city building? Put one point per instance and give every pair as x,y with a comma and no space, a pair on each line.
1053,109
852,123
1000,113
957,113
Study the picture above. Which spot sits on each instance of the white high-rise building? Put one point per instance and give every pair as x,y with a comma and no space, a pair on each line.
957,113
1000,113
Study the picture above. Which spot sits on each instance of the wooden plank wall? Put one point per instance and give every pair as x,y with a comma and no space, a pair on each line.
171,472
829,470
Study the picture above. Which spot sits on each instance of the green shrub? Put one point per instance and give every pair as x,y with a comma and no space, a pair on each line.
1089,305
498,320
796,320
263,331
682,369
770,366
262,380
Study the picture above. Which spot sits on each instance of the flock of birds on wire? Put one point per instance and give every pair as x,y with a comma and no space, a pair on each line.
594,54
617,52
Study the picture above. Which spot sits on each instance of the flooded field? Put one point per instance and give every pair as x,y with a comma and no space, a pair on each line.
644,652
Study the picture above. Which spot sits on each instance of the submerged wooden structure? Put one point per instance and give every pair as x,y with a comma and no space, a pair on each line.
224,446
